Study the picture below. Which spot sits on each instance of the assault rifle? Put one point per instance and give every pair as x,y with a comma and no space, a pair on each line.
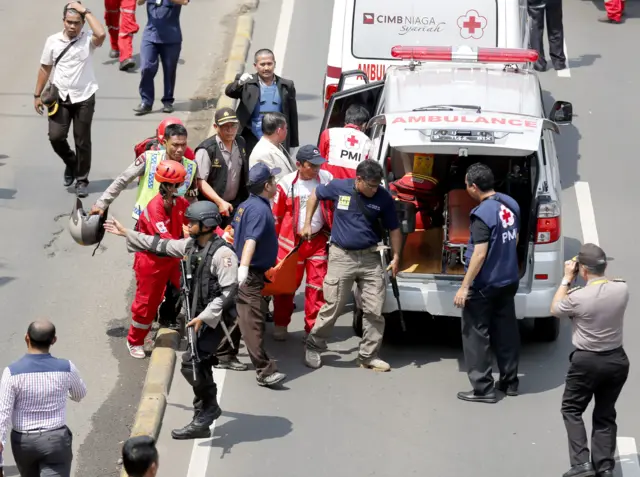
191,335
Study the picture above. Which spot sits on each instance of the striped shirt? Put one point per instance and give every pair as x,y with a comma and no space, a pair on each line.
33,393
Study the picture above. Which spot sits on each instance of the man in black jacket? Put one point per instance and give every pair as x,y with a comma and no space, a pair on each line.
262,93
223,165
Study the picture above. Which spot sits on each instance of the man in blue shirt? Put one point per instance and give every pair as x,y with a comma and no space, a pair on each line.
488,289
362,209
256,245
161,40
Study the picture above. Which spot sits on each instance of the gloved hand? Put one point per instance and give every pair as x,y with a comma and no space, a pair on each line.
244,78
243,273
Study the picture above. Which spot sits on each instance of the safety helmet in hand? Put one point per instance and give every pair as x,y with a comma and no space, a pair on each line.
163,126
205,212
86,229
170,172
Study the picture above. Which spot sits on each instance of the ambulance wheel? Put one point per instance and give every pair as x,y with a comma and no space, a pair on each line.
546,329
357,321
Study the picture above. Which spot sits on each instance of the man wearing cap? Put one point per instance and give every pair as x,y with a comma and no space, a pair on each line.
256,245
289,210
599,365
223,165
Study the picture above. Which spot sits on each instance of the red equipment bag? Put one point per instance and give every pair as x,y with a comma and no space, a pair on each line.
421,191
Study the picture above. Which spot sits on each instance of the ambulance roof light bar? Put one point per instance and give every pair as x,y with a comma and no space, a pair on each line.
464,54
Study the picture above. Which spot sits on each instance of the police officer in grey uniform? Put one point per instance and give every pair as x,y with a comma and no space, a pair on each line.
599,365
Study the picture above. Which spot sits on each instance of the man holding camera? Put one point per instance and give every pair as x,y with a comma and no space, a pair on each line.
599,365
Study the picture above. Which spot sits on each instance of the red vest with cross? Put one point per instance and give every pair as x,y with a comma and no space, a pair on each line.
344,148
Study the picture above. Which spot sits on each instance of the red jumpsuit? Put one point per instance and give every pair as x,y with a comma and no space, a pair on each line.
615,9
312,254
120,18
153,272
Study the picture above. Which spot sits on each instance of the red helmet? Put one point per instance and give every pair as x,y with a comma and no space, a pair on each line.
171,172
163,125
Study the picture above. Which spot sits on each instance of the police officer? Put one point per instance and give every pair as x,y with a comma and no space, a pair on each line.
487,293
256,245
161,40
362,209
552,10
213,289
599,365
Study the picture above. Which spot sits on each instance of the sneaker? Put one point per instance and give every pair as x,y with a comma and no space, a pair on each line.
232,364
271,380
374,363
305,337
168,108
280,333
136,351
114,54
312,359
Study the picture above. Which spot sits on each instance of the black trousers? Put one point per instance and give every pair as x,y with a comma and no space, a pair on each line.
81,115
552,10
204,387
48,453
600,376
489,321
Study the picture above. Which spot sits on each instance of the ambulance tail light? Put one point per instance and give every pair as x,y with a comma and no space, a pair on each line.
548,226
464,54
329,91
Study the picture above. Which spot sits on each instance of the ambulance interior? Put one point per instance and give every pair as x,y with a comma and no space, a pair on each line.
434,206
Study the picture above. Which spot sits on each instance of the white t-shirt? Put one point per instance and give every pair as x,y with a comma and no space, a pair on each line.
302,190
74,75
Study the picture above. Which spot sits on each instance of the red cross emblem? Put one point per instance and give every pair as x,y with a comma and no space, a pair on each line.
352,140
472,25
506,217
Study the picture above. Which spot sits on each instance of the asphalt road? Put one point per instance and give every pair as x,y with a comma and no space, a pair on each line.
343,421
43,273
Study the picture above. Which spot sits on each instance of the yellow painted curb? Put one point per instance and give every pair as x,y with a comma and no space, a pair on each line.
236,60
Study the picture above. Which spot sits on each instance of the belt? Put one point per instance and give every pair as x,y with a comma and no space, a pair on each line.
368,249
37,431
605,352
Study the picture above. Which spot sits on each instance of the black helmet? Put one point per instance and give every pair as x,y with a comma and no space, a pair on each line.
205,212
86,229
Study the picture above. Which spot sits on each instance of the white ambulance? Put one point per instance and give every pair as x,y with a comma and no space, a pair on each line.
364,32
430,121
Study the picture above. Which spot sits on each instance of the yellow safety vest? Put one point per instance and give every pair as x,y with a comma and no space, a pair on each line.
149,186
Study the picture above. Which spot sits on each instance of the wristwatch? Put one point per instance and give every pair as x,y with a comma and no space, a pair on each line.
565,282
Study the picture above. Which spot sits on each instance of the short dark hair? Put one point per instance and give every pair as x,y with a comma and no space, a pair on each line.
72,11
272,121
173,130
138,453
596,269
356,114
261,52
41,334
369,170
480,175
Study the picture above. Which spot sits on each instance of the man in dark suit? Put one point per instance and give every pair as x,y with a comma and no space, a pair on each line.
262,93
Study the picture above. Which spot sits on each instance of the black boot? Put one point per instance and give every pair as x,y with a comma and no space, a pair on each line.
199,427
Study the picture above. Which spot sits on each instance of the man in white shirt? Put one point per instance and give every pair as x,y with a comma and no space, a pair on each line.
289,210
70,54
269,148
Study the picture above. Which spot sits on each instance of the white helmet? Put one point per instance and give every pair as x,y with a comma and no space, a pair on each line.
86,229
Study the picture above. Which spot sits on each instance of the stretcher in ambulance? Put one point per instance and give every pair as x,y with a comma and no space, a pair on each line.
429,124
363,32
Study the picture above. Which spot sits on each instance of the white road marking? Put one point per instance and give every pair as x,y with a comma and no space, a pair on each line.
282,34
201,453
587,216
565,73
628,457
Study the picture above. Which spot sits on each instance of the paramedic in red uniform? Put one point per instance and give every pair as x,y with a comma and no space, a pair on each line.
347,146
120,17
153,143
289,210
164,218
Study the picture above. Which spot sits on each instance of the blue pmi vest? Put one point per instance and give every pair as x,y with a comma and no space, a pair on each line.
501,214
270,102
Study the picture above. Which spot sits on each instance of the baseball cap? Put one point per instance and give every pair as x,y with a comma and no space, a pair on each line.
225,115
261,173
311,154
591,255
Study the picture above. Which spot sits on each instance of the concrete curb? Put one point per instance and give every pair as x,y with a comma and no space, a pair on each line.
237,56
156,387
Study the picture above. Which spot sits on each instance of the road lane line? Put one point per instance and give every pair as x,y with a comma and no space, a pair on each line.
628,457
202,447
565,73
587,216
282,34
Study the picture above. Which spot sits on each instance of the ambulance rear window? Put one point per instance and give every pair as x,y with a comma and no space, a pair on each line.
379,25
